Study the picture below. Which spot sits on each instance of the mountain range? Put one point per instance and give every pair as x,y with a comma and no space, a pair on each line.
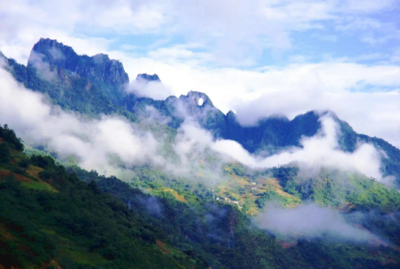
173,220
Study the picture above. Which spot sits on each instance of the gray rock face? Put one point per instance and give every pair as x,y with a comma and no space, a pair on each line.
98,68
196,99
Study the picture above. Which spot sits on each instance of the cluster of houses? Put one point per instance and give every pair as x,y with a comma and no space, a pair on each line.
228,200
252,187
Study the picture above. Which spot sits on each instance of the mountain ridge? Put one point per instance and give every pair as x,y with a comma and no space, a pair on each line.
99,66
269,135
108,75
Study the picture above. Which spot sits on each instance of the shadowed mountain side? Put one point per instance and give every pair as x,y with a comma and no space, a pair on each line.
108,75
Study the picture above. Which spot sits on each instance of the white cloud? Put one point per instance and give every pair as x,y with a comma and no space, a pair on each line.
109,144
321,150
232,32
42,68
180,53
93,142
294,89
152,89
311,221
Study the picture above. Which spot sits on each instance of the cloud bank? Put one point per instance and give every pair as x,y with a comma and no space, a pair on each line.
310,221
187,43
93,142
112,142
151,89
321,150
366,97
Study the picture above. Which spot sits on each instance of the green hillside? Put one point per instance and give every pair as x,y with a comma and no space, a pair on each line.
49,217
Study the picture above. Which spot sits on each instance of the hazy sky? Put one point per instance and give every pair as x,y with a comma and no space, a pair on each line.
255,57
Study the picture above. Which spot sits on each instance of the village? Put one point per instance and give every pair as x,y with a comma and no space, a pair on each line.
252,188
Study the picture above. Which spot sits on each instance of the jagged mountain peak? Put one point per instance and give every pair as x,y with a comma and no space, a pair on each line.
147,77
194,98
101,57
52,52
98,68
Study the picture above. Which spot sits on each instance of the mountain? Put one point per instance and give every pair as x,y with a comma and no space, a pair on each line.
68,217
89,85
108,75
94,85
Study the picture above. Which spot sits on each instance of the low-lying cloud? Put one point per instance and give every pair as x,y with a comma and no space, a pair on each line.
367,97
310,221
93,142
111,143
321,150
43,69
152,89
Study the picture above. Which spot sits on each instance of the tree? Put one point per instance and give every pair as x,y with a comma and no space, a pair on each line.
5,155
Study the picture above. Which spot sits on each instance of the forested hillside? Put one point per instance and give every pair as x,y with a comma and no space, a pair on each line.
52,216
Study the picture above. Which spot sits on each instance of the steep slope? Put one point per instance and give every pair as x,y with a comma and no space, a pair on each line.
192,210
50,218
108,75
84,92
60,221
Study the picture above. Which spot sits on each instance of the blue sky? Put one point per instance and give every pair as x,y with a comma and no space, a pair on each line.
256,57
245,34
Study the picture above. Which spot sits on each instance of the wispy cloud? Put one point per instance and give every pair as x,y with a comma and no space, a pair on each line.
311,221
366,96
113,143
321,150
236,33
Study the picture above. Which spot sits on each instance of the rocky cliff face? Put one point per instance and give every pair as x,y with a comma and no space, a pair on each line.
98,68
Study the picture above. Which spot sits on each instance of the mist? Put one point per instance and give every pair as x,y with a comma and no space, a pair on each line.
93,142
43,68
321,150
111,144
310,221
151,89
